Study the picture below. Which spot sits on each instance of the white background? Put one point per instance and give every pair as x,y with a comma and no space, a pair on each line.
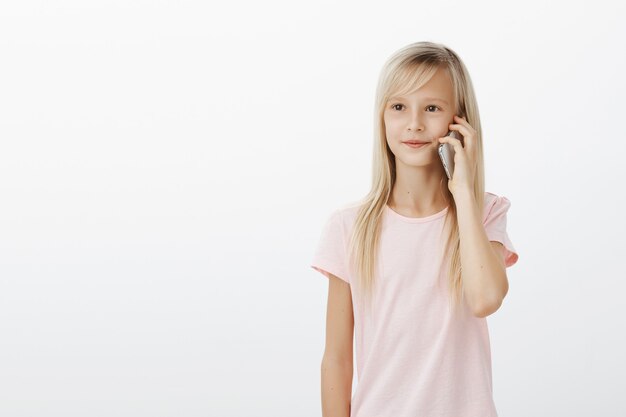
167,166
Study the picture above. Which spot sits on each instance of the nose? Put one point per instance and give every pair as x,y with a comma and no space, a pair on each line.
415,123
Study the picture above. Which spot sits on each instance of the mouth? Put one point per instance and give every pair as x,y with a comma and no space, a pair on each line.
416,144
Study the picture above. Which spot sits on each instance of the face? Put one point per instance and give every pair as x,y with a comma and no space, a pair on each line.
423,115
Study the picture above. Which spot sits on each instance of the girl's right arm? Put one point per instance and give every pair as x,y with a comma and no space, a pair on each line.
337,370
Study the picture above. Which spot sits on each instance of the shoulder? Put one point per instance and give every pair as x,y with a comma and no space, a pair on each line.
494,203
491,198
346,214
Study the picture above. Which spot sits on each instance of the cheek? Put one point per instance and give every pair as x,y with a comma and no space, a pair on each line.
392,125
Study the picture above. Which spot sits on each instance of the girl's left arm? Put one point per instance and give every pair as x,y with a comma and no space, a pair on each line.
483,270
482,267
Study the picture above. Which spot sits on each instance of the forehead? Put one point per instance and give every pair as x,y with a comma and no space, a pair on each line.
438,88
416,95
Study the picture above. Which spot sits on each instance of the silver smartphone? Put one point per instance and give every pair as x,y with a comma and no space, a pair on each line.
446,153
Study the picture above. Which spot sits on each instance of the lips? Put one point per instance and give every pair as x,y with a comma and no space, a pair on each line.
415,142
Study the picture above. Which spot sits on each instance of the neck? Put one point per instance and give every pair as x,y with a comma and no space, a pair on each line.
419,191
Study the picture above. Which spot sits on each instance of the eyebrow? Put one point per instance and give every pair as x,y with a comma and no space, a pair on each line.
426,99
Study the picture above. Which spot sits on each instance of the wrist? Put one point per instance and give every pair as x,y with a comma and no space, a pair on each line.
463,193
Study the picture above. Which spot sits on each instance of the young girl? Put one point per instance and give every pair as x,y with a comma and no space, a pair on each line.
416,266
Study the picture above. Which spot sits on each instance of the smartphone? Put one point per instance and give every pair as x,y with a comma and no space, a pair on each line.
446,153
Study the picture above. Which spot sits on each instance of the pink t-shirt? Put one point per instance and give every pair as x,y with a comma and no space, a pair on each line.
414,358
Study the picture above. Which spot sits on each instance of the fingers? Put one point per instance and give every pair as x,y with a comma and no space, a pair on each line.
456,143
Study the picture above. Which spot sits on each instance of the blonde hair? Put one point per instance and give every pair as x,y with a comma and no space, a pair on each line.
404,72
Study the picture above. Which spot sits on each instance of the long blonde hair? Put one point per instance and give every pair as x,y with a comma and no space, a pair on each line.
404,72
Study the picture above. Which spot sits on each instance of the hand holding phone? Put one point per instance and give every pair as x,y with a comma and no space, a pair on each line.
446,153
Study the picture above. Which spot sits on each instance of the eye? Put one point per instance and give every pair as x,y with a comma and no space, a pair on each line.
394,106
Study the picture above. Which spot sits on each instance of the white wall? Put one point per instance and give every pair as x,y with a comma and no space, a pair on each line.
166,168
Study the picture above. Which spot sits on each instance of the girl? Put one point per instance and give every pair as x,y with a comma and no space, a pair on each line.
416,266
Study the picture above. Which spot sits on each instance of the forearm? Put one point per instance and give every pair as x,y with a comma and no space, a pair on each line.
484,278
336,387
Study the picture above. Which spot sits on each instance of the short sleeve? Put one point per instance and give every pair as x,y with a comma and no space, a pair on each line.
496,208
330,254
